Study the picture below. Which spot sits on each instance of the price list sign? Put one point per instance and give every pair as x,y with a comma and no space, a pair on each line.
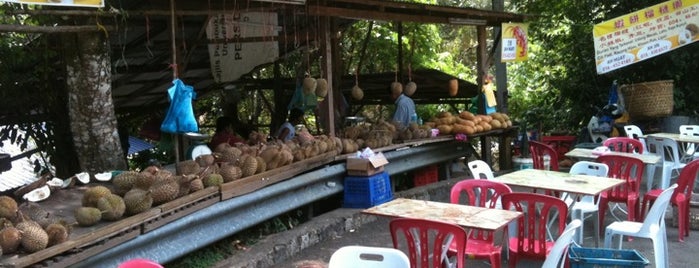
644,34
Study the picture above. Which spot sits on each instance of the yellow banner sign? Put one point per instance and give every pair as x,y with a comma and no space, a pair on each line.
514,42
72,3
645,34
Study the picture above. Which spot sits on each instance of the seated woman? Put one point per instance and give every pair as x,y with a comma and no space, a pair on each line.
224,133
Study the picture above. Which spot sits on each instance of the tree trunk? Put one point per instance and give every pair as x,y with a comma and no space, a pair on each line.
90,108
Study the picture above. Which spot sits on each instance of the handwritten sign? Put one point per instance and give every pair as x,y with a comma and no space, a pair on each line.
72,3
646,33
514,42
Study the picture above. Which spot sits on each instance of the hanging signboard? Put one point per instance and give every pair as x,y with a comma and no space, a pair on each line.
72,3
645,34
514,42
241,41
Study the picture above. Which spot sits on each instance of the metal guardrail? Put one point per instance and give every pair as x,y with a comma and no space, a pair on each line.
226,218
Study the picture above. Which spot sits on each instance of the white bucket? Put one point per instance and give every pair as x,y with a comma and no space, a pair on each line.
519,163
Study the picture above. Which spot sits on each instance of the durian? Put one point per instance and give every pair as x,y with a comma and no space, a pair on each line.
10,239
230,172
164,191
93,194
34,238
87,216
213,180
196,185
187,167
125,181
249,166
8,207
57,233
357,93
321,87
112,207
137,201
309,85
410,88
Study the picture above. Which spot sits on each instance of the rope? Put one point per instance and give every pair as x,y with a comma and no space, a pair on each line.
173,41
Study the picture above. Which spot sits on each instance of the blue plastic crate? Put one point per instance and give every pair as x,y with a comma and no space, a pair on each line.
365,192
604,257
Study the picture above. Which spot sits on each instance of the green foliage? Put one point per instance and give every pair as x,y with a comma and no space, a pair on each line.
560,78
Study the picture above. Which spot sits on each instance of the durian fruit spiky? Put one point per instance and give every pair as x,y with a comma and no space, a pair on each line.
249,166
34,238
164,191
321,87
309,85
410,88
205,160
57,233
196,185
396,88
261,165
137,201
93,194
357,92
87,216
187,167
112,207
230,172
125,181
8,207
10,239
36,213
213,180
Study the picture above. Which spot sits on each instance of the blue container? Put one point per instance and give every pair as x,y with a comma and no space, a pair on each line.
365,192
604,257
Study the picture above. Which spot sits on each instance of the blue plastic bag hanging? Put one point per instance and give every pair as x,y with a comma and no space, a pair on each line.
180,116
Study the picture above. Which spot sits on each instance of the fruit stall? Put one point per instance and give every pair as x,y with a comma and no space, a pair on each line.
170,219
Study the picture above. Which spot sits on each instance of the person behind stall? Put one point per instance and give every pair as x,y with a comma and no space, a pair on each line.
287,130
405,107
224,133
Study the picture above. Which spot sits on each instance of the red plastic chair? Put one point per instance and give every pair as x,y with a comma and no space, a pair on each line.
624,144
139,263
433,239
539,210
680,197
480,193
538,151
629,169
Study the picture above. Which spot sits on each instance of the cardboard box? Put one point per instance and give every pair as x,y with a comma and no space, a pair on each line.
366,166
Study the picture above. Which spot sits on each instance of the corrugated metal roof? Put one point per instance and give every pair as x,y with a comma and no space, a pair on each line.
22,171
137,145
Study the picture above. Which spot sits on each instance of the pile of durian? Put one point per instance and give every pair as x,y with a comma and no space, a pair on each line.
468,123
28,228
379,134
135,192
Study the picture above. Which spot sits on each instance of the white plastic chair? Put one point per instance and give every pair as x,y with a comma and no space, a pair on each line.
587,204
557,255
669,154
652,227
689,152
633,131
369,257
480,169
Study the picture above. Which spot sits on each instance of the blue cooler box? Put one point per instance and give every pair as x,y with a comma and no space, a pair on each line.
604,257
365,192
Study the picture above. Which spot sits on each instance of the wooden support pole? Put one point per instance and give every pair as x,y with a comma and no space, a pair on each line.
482,65
328,67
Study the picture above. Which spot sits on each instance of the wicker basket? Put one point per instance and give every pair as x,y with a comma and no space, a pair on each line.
649,99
